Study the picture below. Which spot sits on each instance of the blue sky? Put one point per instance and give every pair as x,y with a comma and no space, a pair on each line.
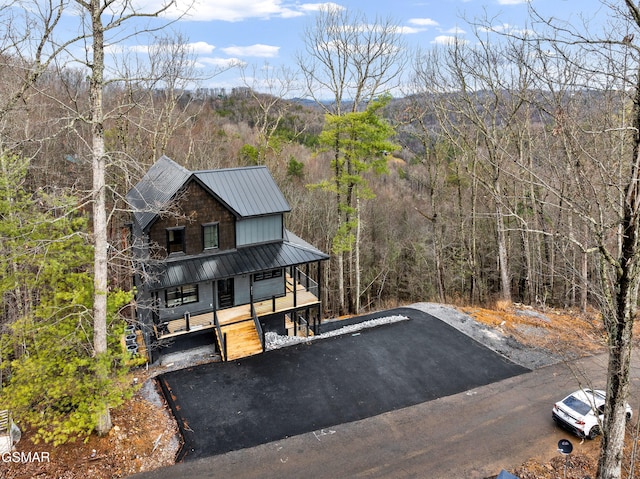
253,32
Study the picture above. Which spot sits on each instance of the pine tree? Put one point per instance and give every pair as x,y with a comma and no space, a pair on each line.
50,380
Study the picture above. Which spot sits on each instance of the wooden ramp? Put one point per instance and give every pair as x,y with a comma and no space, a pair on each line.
242,340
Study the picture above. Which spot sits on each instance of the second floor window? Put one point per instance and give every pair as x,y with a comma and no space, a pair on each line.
210,236
175,240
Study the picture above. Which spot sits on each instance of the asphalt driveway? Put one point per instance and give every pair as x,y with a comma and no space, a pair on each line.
307,387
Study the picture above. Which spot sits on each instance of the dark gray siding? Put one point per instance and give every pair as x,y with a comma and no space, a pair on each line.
268,288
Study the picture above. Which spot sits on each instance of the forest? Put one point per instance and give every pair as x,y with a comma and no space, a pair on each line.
499,169
488,195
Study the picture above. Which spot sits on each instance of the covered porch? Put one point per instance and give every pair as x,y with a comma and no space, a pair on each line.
239,329
294,299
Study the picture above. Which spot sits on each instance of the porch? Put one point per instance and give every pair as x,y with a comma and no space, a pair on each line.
238,329
298,298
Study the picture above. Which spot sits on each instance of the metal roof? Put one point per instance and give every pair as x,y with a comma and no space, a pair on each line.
249,191
247,260
156,188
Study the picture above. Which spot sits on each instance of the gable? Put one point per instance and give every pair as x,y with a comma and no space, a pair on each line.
246,192
192,208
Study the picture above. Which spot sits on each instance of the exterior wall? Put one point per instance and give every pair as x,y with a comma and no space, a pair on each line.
242,290
195,207
259,230
267,288
261,290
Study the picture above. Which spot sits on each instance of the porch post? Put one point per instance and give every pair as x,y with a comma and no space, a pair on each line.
306,318
215,301
319,283
295,287
251,292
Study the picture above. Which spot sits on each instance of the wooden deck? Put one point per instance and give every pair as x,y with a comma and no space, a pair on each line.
242,340
237,324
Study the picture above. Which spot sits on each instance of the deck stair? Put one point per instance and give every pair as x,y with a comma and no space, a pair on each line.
242,340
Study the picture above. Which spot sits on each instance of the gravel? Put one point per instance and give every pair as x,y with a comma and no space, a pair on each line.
507,346
275,340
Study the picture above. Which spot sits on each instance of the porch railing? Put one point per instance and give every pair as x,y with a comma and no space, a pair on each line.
305,280
221,337
258,326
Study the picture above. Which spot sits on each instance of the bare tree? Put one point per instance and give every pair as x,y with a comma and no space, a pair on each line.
117,14
269,88
347,62
477,104
598,157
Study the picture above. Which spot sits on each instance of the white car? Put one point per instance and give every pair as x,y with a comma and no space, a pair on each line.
582,412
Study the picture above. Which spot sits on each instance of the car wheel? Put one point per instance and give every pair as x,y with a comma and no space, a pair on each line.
628,416
595,430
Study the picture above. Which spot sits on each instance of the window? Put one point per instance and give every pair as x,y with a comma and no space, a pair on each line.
210,236
181,295
274,273
175,240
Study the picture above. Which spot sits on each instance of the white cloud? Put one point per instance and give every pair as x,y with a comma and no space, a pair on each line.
222,63
201,48
316,7
257,50
233,10
455,31
423,22
506,28
447,40
410,30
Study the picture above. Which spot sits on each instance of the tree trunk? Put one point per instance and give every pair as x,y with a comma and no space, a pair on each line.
356,266
619,322
340,274
584,281
505,280
99,210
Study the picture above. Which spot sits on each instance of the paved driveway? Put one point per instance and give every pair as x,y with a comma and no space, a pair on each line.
281,393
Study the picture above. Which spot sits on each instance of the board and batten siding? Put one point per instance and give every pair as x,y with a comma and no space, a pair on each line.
258,230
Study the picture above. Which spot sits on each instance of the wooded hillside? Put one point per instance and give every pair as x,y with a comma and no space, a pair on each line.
461,187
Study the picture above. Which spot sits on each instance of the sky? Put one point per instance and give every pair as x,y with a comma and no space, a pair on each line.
259,32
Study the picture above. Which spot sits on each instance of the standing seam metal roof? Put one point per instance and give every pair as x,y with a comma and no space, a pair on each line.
247,192
246,260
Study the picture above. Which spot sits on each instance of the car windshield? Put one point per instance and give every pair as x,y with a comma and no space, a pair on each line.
577,405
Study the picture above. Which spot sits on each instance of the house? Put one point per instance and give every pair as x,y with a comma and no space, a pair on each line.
212,253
